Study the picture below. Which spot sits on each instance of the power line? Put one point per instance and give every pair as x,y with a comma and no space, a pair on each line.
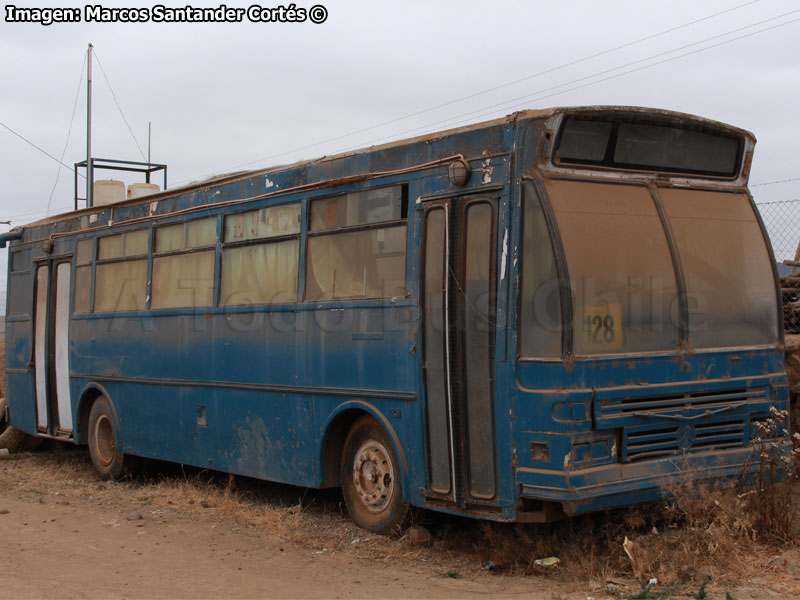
488,90
562,91
32,215
428,126
27,141
562,66
534,97
119,108
583,78
774,182
69,132
530,97
60,161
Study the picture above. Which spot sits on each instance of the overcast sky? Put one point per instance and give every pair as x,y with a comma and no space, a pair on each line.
224,97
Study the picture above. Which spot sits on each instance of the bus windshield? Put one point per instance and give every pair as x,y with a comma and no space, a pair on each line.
650,146
622,277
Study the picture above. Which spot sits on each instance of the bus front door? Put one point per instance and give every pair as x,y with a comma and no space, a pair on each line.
458,289
51,347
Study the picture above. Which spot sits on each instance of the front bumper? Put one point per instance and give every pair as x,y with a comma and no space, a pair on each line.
608,486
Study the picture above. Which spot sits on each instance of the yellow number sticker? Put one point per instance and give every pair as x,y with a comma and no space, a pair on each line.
602,326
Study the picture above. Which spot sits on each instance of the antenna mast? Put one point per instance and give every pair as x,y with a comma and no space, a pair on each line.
105,163
89,167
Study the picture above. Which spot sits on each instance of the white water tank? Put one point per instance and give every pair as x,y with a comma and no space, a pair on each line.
108,191
137,190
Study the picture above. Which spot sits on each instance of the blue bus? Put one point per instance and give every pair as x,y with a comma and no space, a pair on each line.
542,315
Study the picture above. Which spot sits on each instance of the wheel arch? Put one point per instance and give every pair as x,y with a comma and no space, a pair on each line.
335,432
91,392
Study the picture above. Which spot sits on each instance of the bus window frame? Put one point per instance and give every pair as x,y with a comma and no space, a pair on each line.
91,264
96,260
607,164
153,255
223,245
308,234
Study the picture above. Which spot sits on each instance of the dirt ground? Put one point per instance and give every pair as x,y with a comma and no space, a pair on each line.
180,534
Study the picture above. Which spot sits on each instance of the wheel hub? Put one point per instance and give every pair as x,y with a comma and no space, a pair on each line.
373,475
105,440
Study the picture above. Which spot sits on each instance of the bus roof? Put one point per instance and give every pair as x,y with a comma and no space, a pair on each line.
546,113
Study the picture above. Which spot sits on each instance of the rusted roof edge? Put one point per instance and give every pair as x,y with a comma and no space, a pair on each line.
519,115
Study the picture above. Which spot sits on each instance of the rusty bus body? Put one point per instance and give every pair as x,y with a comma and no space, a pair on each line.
550,313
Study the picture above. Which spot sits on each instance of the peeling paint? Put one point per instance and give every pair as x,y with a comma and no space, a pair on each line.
487,171
505,256
153,206
93,219
567,460
255,450
267,183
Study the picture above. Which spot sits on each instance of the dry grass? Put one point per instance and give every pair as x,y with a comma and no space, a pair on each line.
699,532
730,531
315,519
697,536
589,548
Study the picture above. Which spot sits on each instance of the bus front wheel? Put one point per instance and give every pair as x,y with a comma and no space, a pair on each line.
107,458
370,476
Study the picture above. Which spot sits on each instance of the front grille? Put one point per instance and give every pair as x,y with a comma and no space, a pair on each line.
611,408
670,439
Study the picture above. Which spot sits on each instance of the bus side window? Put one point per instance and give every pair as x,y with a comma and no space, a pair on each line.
183,264
19,277
345,258
121,274
261,256
83,276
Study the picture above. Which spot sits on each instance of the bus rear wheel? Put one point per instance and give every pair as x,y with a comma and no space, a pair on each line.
371,483
107,458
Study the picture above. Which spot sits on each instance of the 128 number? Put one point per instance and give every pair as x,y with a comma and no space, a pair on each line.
600,329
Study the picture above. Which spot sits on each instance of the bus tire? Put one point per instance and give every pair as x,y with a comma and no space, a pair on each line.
107,459
371,482
13,439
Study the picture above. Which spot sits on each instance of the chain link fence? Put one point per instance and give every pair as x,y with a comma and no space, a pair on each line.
782,220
